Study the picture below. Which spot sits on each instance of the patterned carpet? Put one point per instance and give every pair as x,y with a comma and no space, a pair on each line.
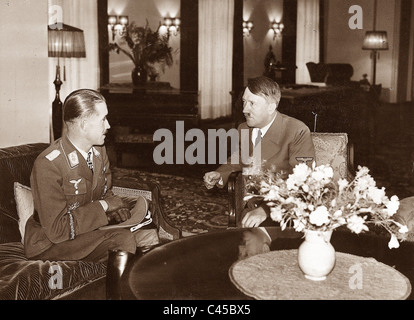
392,158
392,169
194,209
188,204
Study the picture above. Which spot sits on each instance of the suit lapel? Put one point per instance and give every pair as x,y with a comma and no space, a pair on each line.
251,146
272,138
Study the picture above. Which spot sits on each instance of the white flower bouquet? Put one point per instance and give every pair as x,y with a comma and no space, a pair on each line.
311,200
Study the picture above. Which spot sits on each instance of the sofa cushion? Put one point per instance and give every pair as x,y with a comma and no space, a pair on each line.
16,164
24,203
23,279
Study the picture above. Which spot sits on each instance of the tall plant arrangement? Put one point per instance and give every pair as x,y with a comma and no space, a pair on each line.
145,48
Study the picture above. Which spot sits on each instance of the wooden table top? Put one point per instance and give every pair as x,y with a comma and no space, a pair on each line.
197,267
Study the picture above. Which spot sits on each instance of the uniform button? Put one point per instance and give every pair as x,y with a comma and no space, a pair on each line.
255,205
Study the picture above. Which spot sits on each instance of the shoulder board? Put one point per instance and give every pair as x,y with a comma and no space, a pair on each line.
53,155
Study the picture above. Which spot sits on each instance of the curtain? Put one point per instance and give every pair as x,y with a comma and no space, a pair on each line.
80,72
307,41
215,56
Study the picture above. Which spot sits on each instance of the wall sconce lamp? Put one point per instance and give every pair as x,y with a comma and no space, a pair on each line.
117,25
277,28
172,25
247,28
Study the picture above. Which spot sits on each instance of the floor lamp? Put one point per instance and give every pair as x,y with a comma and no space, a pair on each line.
375,41
64,42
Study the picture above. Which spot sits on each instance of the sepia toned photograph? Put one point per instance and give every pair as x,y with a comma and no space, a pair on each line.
205,156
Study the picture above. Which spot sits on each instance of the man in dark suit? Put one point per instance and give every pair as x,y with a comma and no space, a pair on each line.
282,141
71,184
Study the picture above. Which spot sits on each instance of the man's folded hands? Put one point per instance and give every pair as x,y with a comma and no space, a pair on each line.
118,216
118,210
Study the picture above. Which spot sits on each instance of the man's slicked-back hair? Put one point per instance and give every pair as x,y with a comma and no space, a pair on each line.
81,103
266,88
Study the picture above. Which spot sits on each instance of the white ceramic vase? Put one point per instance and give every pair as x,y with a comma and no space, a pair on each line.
316,255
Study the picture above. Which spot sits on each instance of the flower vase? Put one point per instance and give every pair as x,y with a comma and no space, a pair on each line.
316,255
139,76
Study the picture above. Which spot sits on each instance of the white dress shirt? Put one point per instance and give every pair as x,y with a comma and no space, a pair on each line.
263,130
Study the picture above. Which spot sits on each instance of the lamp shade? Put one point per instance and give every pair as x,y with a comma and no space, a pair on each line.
375,40
66,41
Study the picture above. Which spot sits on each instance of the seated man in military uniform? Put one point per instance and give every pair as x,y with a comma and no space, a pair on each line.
71,184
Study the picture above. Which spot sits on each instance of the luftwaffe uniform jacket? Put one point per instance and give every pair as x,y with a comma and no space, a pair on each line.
66,198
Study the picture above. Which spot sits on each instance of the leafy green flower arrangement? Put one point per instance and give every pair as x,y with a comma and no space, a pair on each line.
144,47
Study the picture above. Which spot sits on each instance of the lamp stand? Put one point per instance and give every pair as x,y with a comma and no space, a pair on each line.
374,72
57,108
375,88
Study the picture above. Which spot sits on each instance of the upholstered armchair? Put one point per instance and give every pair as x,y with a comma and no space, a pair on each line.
330,73
330,148
166,231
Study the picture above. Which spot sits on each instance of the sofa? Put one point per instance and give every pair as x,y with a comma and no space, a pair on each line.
23,279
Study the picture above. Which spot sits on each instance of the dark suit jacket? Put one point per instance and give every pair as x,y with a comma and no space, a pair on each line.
284,145
65,195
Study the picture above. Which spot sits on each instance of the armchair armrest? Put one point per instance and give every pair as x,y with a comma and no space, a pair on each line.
235,190
151,191
351,162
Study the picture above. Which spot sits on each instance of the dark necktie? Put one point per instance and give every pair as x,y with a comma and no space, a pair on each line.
258,138
89,160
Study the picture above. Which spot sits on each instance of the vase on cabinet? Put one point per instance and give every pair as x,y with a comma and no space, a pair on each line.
139,76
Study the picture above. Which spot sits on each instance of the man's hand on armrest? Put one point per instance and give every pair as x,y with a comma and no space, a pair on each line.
254,218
